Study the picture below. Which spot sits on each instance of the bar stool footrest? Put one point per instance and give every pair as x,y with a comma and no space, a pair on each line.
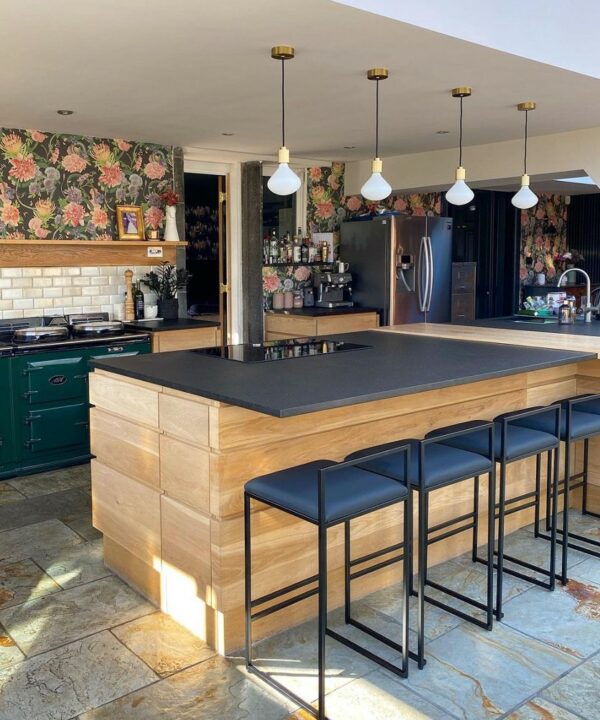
378,636
400,672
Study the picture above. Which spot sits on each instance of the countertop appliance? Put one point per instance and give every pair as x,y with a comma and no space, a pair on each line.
401,265
280,349
334,289
44,365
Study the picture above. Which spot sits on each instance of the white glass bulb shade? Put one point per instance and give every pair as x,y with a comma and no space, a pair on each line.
376,187
525,198
460,193
284,180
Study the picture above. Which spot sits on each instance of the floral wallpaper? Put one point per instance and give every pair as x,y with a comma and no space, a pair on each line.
67,186
327,208
543,237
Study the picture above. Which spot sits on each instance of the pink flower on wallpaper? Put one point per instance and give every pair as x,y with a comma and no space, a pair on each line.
138,163
16,236
354,203
73,214
317,193
538,267
54,156
123,145
37,136
418,210
23,169
302,273
111,175
539,243
333,182
35,224
400,204
104,236
11,143
44,209
551,272
523,272
10,214
154,170
324,210
101,153
315,173
540,213
99,217
271,283
154,217
74,163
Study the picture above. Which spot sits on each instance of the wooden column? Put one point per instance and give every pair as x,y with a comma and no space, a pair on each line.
252,292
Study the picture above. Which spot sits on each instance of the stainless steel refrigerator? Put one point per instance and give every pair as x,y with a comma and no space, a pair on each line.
401,266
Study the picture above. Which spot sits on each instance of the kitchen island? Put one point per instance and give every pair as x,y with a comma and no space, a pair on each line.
177,435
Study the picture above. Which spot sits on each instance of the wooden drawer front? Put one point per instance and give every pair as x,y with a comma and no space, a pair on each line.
126,511
290,325
463,307
185,339
126,446
463,277
127,399
184,472
346,323
186,419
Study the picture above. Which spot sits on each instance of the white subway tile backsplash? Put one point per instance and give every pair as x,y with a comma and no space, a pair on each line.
52,272
53,292
42,282
12,314
43,303
32,272
12,293
90,271
81,281
22,282
23,304
64,281
32,292
5,283
11,272
72,271
90,291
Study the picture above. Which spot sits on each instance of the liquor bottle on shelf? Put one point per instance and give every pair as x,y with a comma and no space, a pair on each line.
297,258
312,253
266,250
274,253
138,301
304,253
324,252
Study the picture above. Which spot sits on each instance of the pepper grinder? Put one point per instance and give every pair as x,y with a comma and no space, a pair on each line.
129,307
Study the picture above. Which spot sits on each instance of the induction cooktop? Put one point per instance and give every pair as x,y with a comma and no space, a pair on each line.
280,349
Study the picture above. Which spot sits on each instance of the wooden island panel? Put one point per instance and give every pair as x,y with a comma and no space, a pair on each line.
279,326
208,450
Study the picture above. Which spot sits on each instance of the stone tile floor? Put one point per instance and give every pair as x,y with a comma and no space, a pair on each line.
76,642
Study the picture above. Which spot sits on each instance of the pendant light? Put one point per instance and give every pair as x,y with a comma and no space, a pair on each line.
376,187
284,180
460,193
525,198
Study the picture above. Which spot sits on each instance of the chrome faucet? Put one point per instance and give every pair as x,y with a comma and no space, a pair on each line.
588,308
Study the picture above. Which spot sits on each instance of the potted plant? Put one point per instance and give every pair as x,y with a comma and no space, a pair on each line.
165,282
170,200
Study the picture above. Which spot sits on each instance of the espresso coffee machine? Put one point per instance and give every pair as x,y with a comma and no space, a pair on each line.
333,289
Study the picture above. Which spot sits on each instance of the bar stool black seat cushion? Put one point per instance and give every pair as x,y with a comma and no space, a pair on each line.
442,462
520,440
348,492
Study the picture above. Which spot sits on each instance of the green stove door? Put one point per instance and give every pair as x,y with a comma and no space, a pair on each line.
6,415
54,429
51,378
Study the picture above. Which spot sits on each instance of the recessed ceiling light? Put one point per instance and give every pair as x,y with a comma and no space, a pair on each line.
65,112
227,134
349,147
442,132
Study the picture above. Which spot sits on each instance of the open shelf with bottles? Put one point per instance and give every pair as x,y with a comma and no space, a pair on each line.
298,264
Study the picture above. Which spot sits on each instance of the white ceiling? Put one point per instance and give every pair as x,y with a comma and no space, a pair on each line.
185,71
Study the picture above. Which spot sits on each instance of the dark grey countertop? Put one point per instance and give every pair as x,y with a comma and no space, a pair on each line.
591,329
394,364
322,312
163,325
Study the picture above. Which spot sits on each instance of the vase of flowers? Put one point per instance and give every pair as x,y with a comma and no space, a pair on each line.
567,260
170,200
165,281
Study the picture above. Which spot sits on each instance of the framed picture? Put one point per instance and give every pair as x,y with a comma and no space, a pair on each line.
130,222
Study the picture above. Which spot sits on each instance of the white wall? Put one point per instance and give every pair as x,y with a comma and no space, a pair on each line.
498,162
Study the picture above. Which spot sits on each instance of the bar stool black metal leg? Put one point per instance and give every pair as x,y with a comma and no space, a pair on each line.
475,518
248,578
548,492
347,557
553,530
411,586
538,491
407,569
422,575
565,523
502,501
322,618
491,539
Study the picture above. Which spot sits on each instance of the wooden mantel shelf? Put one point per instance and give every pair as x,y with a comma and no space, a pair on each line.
77,253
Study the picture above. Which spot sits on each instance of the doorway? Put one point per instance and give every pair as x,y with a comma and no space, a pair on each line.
206,253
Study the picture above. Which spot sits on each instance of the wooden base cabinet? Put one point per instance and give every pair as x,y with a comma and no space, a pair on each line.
279,326
187,339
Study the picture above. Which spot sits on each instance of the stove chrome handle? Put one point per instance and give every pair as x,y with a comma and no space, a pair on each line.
32,368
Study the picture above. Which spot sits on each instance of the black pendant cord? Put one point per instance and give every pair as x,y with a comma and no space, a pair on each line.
282,102
460,134
526,134
377,118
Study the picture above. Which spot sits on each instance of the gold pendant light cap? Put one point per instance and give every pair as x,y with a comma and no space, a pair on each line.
283,155
525,180
526,106
377,165
461,92
379,73
461,173
282,52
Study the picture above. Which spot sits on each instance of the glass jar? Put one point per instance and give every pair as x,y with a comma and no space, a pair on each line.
298,300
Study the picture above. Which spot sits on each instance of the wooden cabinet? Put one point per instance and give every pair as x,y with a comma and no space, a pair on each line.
187,339
279,326
464,284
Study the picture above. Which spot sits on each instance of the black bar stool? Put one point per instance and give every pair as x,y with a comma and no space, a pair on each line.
580,420
435,465
519,435
325,494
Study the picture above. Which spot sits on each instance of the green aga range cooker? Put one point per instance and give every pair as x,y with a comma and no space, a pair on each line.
44,405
